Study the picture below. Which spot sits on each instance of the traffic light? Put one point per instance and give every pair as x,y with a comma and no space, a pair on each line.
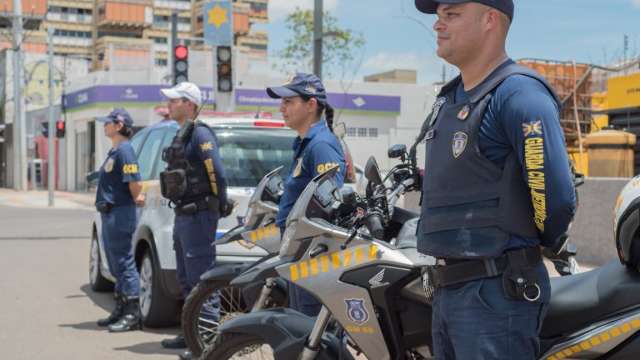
225,79
60,128
180,64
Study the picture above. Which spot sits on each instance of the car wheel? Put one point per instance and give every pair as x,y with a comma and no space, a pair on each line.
97,281
157,308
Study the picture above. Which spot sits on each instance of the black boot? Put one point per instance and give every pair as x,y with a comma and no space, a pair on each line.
131,320
176,343
116,314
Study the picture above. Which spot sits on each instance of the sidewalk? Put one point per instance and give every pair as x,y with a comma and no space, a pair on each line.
40,199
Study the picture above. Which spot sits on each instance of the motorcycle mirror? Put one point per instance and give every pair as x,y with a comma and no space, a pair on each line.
349,196
396,151
340,130
372,172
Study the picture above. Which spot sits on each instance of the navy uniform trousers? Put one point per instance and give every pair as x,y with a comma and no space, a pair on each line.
476,320
118,227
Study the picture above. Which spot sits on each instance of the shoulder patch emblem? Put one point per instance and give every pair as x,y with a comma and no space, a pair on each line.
130,169
532,128
108,166
206,146
464,112
459,143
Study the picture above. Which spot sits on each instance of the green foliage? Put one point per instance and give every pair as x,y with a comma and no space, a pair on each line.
338,48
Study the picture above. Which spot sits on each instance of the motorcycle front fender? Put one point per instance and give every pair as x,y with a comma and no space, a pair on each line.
225,272
285,330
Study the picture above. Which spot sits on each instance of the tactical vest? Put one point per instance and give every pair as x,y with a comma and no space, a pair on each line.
470,206
184,181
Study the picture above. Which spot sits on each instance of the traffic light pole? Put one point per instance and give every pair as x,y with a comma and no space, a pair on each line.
19,133
51,162
317,38
173,41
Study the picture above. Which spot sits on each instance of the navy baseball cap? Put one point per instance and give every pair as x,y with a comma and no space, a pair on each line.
430,6
118,115
307,85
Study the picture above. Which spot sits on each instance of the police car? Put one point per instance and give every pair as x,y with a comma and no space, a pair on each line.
249,148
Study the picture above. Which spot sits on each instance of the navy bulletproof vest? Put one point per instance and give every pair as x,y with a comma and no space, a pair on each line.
470,206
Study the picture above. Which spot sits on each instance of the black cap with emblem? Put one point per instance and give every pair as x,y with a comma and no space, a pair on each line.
430,6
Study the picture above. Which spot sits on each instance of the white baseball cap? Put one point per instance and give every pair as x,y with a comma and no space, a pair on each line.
187,90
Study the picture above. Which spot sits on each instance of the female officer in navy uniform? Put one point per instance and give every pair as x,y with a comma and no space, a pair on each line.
119,190
316,150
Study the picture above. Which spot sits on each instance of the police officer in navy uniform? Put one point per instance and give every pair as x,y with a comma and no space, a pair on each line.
195,184
119,190
316,150
497,186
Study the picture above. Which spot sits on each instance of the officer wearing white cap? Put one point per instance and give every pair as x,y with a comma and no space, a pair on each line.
497,186
195,184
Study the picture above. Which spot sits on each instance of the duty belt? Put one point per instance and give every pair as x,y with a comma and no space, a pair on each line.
449,272
209,203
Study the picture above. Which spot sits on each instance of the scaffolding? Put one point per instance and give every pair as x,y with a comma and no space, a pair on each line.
572,83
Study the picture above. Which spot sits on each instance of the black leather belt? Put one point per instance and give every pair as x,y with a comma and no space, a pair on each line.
449,272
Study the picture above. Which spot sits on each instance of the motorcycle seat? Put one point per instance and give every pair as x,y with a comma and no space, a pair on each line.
407,236
583,299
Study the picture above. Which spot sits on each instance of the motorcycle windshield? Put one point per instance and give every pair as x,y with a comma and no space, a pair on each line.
258,203
317,200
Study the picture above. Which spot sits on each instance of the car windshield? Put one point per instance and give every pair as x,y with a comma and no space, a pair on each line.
248,154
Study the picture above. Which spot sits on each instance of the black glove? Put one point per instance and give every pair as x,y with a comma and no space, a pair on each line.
227,208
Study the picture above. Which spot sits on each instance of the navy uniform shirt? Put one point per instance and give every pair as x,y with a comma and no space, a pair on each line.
314,154
120,167
202,148
523,117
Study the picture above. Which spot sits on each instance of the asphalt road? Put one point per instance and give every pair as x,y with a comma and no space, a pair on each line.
48,310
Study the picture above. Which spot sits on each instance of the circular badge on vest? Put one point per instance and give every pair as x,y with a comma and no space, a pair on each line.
108,166
464,112
459,143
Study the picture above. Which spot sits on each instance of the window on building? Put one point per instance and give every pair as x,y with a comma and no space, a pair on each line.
373,132
160,40
161,62
362,132
351,131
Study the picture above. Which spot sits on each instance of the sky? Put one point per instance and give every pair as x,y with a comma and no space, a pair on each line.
398,36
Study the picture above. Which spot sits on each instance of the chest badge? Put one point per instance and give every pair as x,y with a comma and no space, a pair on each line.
298,169
459,143
464,113
108,166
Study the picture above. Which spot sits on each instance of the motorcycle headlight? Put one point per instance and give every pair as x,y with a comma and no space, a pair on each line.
286,239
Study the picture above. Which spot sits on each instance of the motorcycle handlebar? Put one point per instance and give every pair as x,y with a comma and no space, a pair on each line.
373,222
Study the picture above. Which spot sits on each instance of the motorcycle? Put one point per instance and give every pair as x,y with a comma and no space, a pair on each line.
257,230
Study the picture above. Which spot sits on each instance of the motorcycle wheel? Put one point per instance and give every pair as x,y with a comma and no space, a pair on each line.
238,346
199,331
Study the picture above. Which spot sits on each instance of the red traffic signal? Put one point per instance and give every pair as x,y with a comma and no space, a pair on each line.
60,128
181,52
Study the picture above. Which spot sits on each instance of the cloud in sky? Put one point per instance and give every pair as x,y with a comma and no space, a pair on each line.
635,3
279,9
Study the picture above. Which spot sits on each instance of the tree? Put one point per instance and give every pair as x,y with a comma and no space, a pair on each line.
338,47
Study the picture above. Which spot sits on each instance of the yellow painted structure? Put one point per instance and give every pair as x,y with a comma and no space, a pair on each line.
624,91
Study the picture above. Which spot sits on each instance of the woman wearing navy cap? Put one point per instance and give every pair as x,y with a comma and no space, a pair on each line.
119,190
305,109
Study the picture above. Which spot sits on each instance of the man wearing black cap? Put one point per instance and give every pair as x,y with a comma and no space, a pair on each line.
497,186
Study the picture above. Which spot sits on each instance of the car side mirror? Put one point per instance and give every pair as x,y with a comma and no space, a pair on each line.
397,151
372,172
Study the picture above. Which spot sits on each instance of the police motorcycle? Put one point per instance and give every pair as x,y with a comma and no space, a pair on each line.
257,230
371,290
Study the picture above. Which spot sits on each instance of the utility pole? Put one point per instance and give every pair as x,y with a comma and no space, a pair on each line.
173,41
317,38
51,162
19,134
